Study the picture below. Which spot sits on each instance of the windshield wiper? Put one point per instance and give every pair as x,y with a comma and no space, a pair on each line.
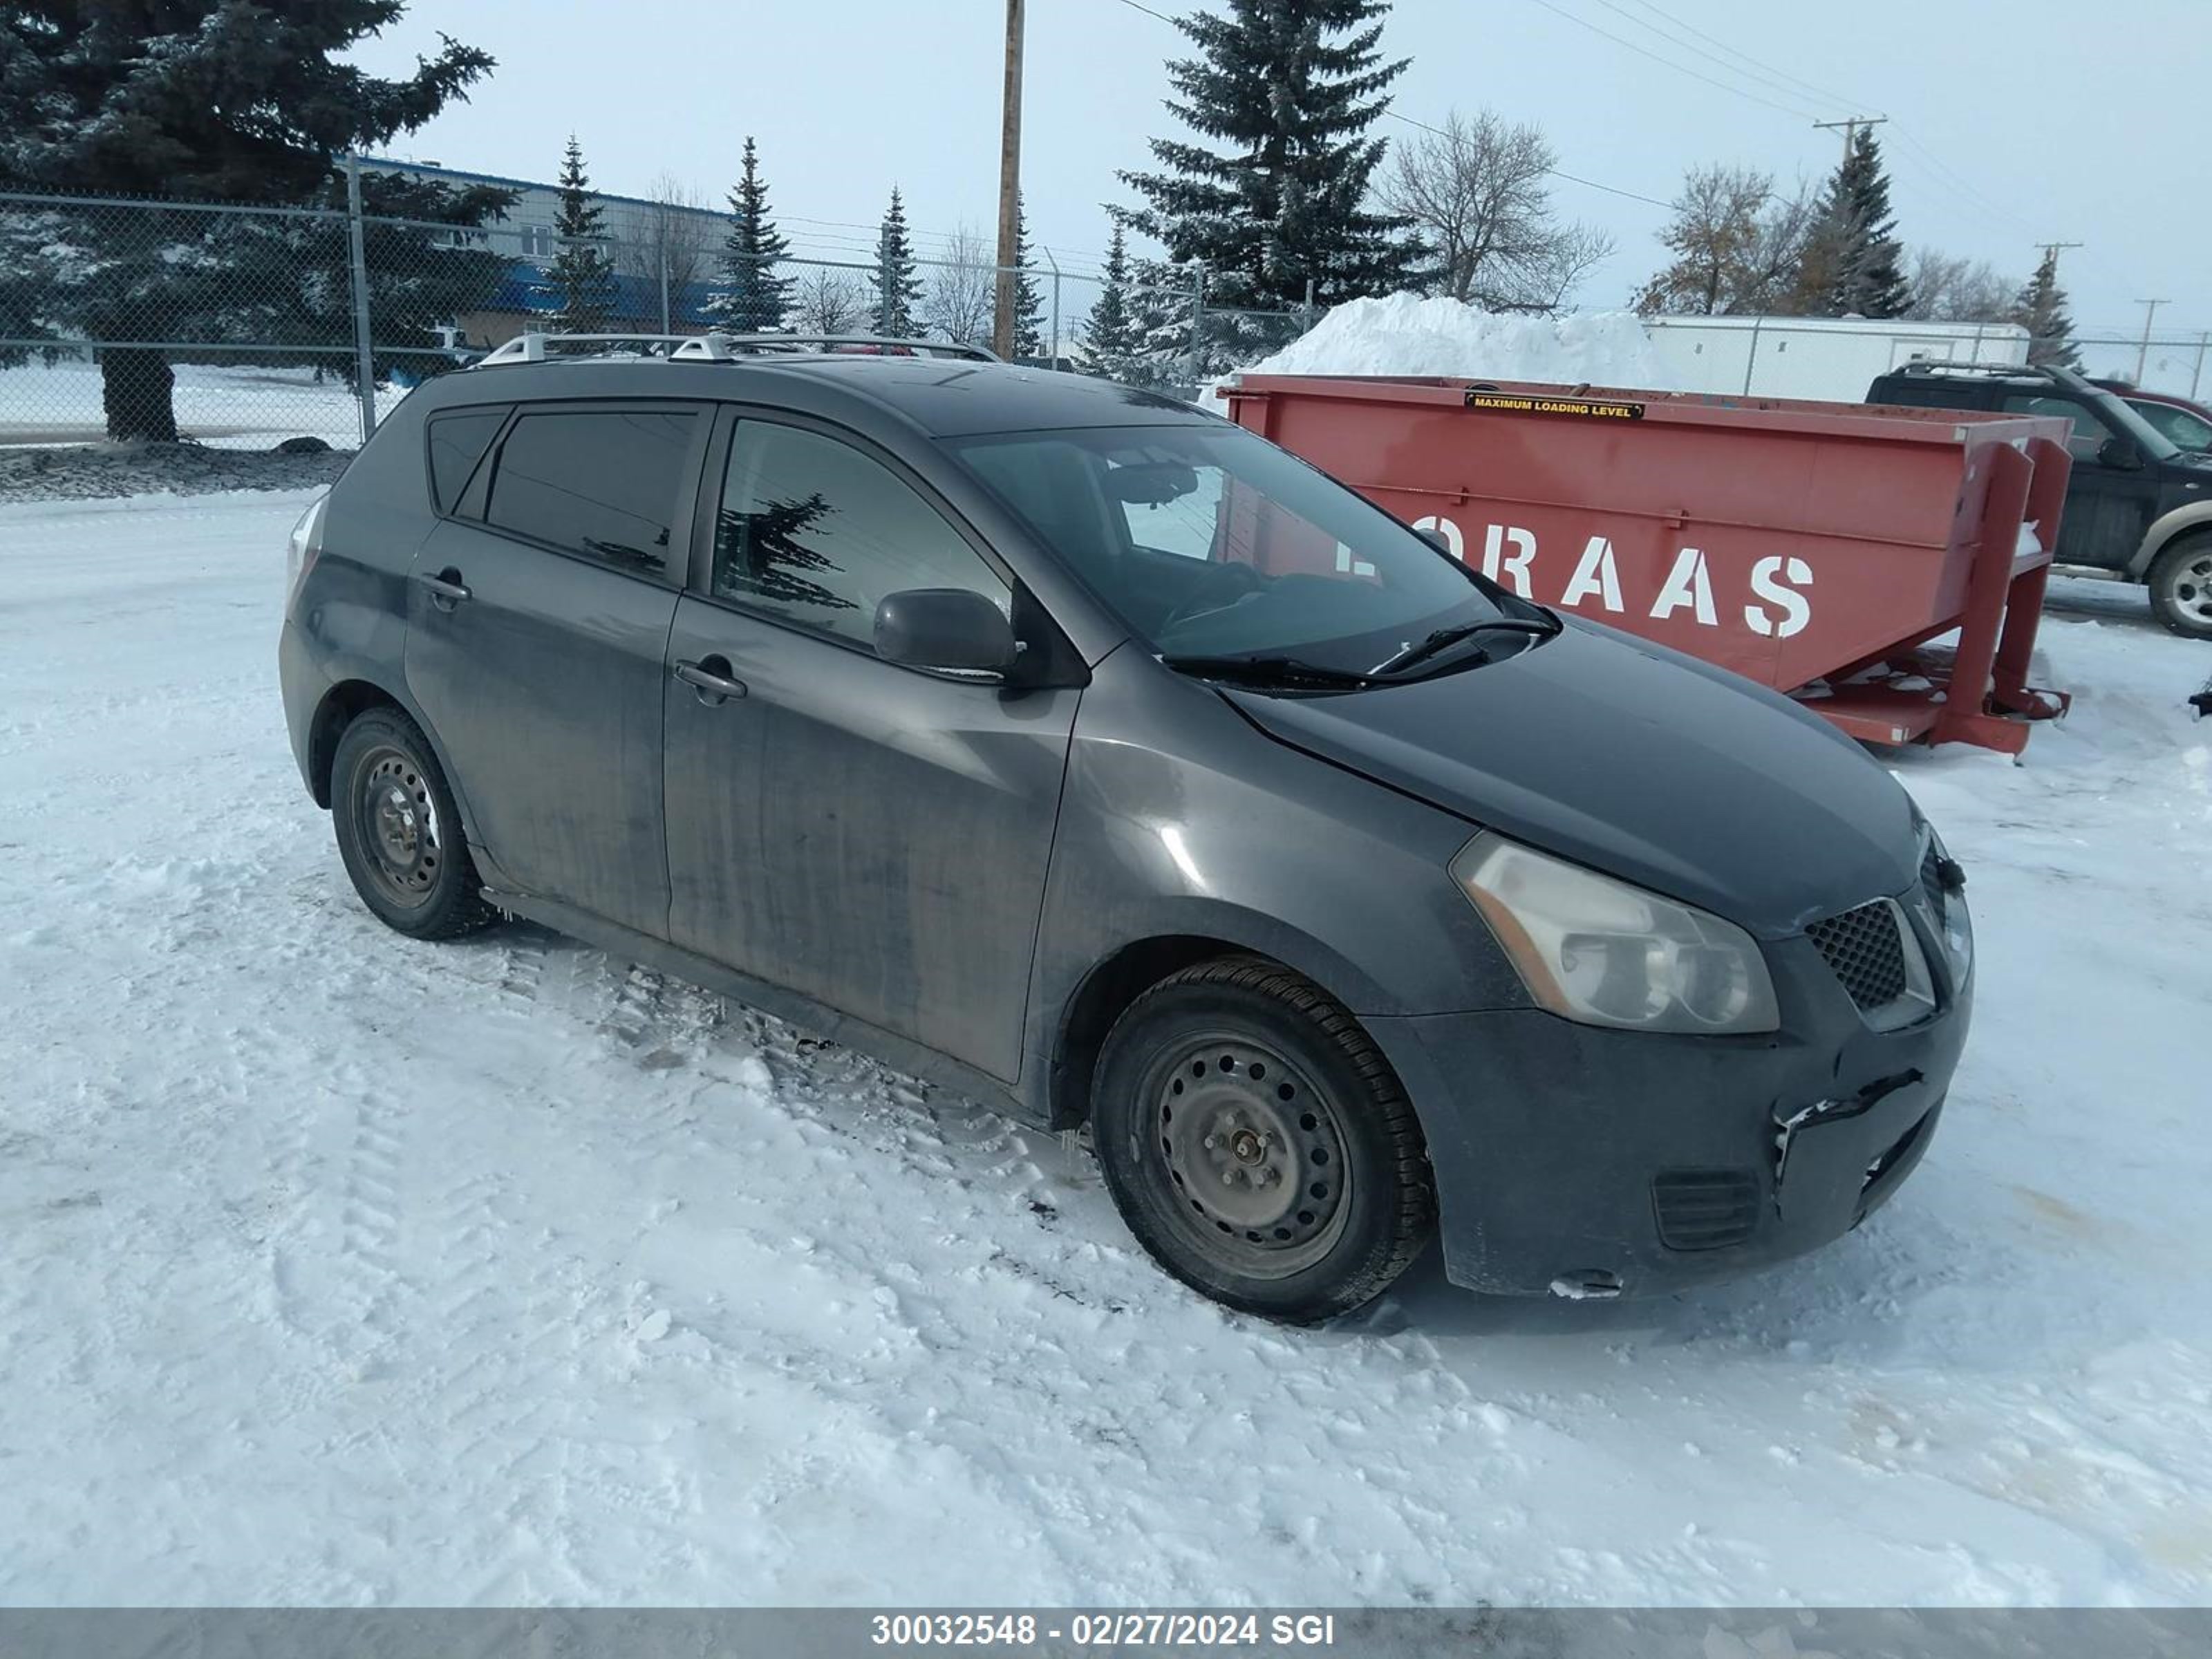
1444,638
1268,671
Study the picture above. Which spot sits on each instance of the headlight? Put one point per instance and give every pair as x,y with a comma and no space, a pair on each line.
1951,913
1605,953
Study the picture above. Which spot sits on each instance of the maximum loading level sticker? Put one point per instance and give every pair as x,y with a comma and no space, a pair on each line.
1588,408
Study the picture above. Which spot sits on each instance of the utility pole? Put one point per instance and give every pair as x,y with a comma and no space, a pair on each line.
2143,352
2052,251
364,354
1850,128
1010,189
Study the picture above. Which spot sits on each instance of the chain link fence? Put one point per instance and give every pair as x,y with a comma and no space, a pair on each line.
245,327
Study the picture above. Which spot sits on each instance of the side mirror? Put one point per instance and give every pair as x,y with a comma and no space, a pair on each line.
1436,538
2120,455
945,628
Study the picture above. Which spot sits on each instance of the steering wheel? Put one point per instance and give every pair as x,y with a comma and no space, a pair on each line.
1222,586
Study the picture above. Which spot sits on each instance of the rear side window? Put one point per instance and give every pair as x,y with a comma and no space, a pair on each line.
601,482
457,444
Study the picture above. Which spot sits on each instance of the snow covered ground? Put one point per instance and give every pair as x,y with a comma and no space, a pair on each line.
227,408
336,1269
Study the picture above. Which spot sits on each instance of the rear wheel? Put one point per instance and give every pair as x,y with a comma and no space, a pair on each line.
1257,1143
2180,581
399,831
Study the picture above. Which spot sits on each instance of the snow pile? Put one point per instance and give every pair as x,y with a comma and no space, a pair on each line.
1407,334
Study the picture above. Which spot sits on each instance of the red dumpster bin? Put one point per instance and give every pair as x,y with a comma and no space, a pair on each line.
1816,548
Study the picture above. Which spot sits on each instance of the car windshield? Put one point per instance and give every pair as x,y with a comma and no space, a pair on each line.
1211,543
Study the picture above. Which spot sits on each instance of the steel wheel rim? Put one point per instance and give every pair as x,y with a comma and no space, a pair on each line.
398,823
1249,1154
2188,589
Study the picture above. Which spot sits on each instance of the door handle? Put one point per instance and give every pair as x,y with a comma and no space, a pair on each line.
446,588
711,678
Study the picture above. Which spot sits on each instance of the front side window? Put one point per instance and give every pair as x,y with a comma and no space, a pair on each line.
601,482
2177,426
1209,542
2089,431
2102,416
817,533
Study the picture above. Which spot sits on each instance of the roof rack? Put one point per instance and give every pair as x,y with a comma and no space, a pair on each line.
537,346
720,347
1995,370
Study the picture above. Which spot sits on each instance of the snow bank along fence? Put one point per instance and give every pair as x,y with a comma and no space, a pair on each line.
1816,548
243,326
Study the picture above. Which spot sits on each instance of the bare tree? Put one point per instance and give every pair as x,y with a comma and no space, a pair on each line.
959,293
826,301
1738,246
678,234
1958,290
1476,190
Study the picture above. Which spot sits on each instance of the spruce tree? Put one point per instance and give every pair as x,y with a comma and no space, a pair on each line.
581,278
2041,310
897,288
201,100
1853,261
1029,304
757,296
1288,89
1111,331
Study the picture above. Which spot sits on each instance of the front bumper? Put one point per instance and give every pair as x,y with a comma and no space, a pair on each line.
1571,1158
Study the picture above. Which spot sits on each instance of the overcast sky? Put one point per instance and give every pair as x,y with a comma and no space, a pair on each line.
2012,121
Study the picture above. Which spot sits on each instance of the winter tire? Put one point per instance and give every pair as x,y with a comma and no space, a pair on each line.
1257,1143
400,832
2180,580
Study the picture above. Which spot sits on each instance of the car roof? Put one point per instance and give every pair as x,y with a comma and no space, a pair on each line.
936,397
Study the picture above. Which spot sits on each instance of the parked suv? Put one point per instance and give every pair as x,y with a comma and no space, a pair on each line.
2138,508
1077,748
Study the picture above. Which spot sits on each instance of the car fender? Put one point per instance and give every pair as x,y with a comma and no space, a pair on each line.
2196,515
341,670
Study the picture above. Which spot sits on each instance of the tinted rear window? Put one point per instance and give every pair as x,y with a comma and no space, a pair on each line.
602,482
457,444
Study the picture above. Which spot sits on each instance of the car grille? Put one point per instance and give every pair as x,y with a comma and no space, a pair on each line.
1865,950
1705,1209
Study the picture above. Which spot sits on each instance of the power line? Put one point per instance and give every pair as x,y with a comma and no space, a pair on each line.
1826,96
1757,73
1555,172
1681,69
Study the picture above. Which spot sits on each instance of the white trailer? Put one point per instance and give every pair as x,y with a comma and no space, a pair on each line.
1833,358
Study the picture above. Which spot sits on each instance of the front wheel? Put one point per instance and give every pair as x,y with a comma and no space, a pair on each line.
2180,581
400,832
1257,1143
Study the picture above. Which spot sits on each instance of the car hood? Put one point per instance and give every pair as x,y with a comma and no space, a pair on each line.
1635,760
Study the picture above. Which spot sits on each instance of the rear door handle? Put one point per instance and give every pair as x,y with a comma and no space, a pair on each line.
711,678
446,588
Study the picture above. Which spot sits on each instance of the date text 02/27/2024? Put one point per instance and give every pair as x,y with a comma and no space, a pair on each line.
1103,1629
